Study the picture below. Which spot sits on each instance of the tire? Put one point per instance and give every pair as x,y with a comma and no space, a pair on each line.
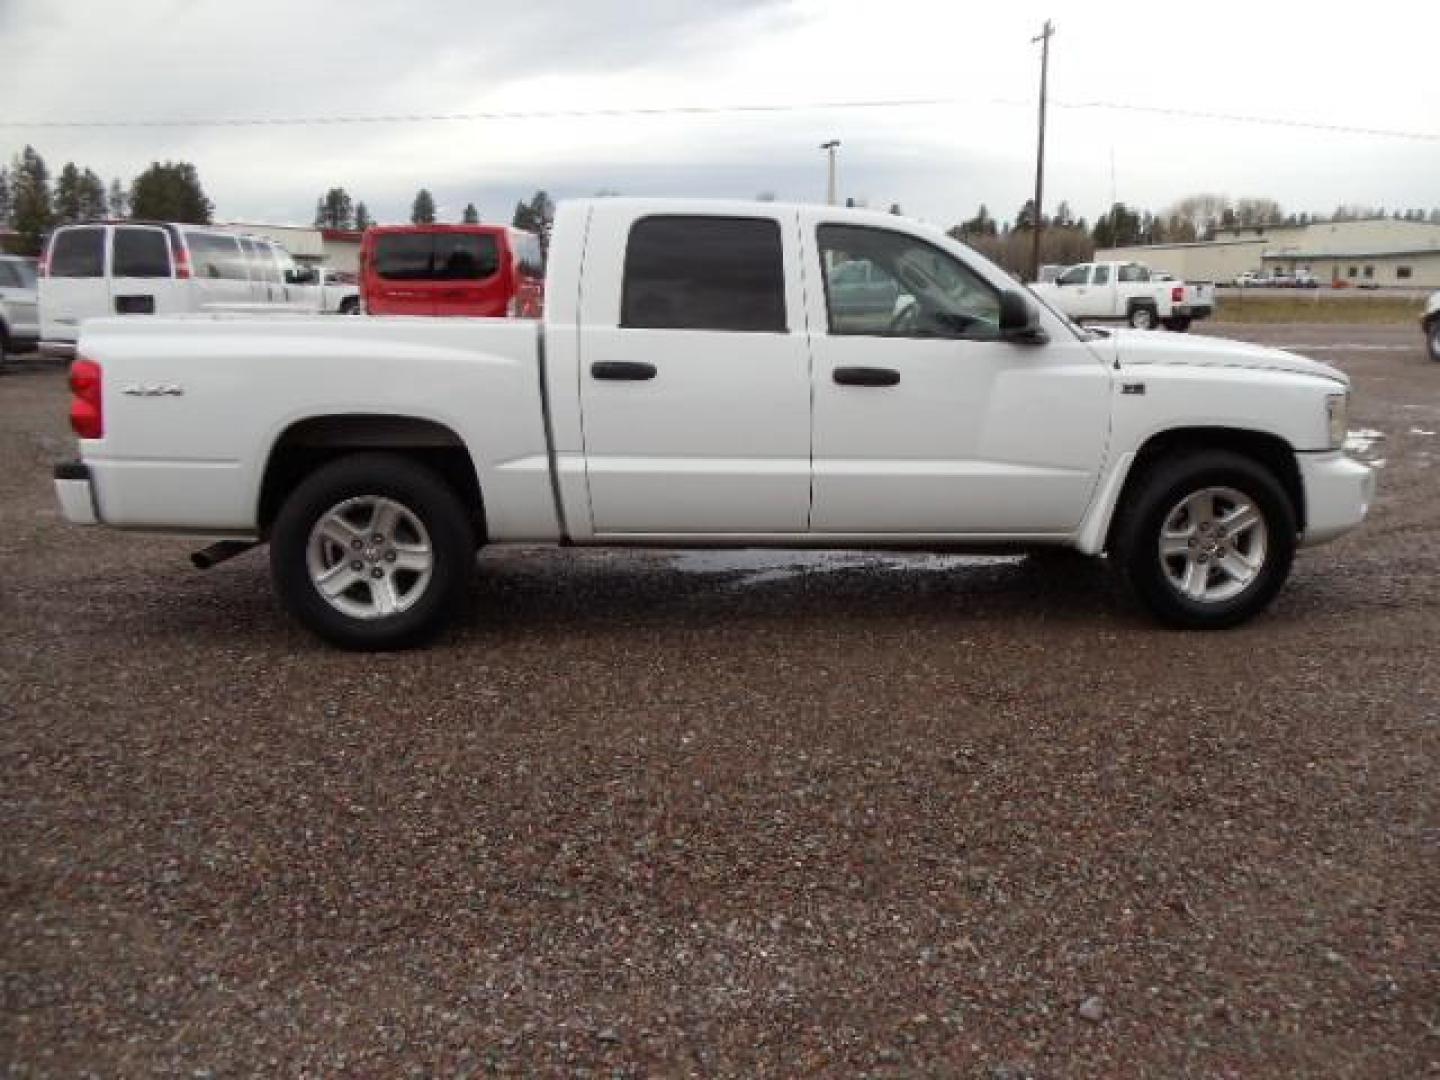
406,530
1142,317
1432,339
4,341
1188,498
349,306
1179,324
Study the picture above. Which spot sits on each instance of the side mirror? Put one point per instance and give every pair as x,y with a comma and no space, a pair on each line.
1020,319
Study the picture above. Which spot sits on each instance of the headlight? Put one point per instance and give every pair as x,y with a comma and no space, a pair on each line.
1337,418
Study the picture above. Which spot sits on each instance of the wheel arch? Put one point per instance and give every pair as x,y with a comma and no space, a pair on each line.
314,441
1265,448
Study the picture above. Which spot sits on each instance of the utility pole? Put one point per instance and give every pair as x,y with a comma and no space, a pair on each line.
1039,224
831,147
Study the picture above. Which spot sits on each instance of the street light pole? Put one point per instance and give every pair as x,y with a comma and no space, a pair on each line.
1039,223
831,147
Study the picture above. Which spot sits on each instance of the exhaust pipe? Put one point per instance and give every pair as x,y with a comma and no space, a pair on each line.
220,551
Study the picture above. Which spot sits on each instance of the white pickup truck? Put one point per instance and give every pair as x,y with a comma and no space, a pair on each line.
697,382
1129,292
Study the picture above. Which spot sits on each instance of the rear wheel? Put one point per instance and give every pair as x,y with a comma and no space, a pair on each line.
1432,339
372,551
1206,540
350,306
1180,323
1142,317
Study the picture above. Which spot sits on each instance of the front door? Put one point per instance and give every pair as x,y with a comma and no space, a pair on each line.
926,422
695,376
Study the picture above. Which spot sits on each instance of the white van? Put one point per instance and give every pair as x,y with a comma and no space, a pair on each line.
160,268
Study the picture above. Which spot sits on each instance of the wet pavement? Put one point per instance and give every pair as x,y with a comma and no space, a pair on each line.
728,813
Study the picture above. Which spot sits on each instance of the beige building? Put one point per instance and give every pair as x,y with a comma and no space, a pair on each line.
1382,252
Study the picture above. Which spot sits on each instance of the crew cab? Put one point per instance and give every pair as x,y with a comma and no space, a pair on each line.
698,381
1127,291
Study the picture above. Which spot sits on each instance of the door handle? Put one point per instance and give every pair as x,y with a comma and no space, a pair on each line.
866,376
622,370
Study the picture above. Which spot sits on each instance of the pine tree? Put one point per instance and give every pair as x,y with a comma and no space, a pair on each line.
118,201
66,202
4,197
30,208
422,210
92,196
170,192
335,210
471,215
536,216
362,217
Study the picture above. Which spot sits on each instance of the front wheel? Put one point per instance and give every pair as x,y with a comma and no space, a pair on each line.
1205,541
372,551
1432,339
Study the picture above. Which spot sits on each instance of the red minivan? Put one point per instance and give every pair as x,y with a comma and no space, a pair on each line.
488,270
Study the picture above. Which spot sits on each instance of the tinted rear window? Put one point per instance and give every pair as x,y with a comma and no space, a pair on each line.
436,256
141,253
704,273
78,253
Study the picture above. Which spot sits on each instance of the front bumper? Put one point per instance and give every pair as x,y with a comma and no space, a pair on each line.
76,495
1338,494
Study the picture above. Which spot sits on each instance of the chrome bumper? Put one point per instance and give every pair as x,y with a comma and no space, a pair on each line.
77,497
1338,494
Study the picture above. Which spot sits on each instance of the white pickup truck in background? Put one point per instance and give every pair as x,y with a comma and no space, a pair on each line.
1129,292
719,375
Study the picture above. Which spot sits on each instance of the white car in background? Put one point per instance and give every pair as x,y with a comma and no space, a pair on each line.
19,318
162,268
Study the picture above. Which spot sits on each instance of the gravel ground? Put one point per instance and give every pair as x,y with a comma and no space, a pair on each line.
710,815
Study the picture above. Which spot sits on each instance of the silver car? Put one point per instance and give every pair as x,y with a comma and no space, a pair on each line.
19,309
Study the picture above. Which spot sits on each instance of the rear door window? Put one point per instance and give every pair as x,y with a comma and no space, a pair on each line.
404,256
465,256
78,253
141,253
9,278
1102,276
704,273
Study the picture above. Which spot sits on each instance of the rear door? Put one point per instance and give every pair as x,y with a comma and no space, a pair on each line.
695,375
74,287
399,274
142,272
470,277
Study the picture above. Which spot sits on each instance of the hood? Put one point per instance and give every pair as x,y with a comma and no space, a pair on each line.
1141,348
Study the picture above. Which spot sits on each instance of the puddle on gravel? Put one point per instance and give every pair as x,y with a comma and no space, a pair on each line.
1362,440
758,566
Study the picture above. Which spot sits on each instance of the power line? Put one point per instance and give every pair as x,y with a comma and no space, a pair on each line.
712,110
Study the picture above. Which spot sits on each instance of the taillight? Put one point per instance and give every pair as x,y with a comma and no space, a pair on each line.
87,415
1177,294
182,261
42,269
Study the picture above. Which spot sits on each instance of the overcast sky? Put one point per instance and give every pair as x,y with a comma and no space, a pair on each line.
1370,66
